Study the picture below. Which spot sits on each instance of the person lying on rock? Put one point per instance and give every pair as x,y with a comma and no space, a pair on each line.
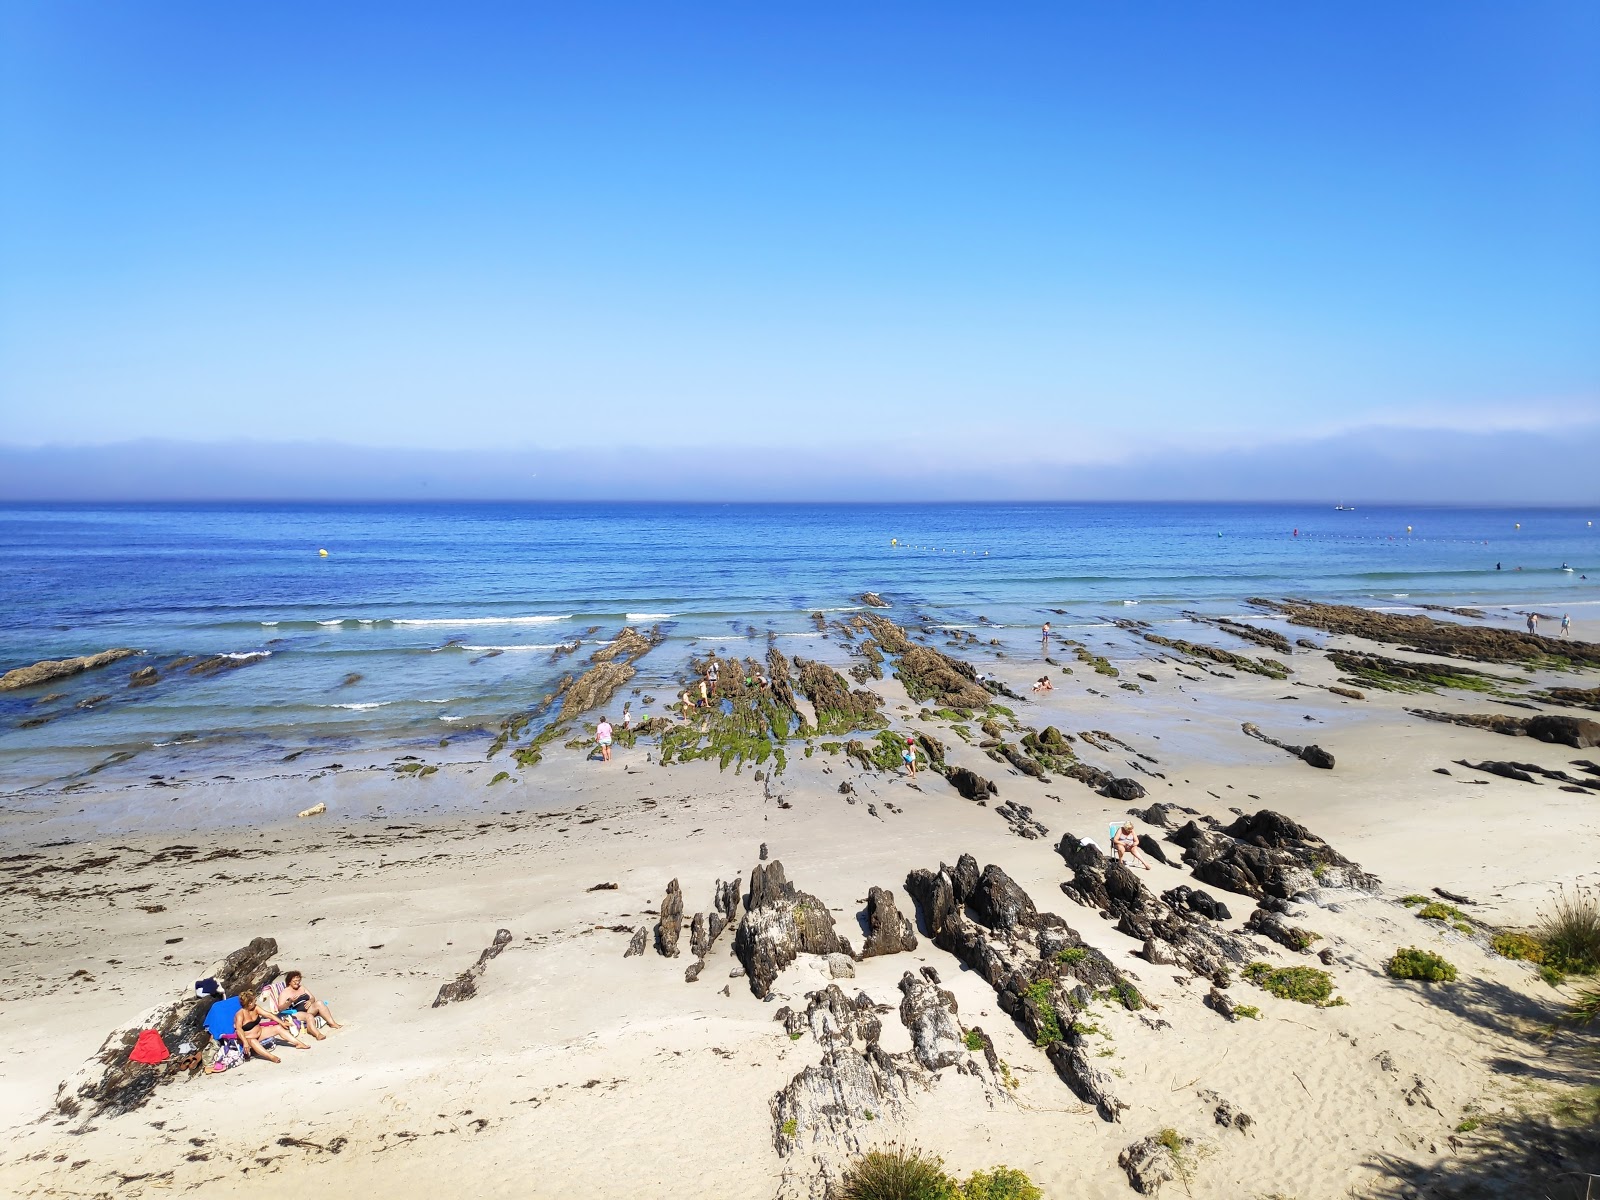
1126,844
293,997
255,1026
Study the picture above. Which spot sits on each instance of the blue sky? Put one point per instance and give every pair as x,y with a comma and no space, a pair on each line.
1064,234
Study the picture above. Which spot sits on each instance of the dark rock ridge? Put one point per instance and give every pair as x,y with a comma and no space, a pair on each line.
1267,854
704,930
1021,820
1578,732
1166,933
970,784
611,666
1525,772
1315,756
60,668
1270,667
1483,643
465,985
1575,697
888,930
873,600
929,675
838,708
110,1085
992,925
781,922
670,925
1273,927
1269,638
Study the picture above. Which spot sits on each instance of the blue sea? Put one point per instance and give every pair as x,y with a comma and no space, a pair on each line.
450,613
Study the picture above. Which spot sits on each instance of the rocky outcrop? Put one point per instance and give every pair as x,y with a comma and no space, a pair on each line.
143,677
637,943
1525,772
1575,697
1036,963
1274,928
1267,854
109,1084
465,985
1196,902
1167,933
873,600
704,930
781,922
888,930
1020,818
970,784
838,708
1315,756
929,1012
1483,643
1151,1162
1578,732
611,666
929,676
60,668
670,925
1270,667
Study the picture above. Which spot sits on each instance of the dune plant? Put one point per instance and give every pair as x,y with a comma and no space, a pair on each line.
897,1173
1523,947
1307,985
1585,1009
1002,1183
1570,931
1412,963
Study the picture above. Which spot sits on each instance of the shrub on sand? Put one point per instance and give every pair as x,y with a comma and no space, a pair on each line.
1523,947
1002,1183
1305,984
1570,930
1411,963
898,1173
1585,1009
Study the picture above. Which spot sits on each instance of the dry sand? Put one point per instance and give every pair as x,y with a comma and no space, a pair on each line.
578,1072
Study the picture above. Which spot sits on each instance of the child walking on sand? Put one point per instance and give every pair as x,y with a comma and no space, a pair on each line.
602,735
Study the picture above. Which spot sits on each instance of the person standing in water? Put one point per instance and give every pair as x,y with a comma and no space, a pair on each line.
1044,640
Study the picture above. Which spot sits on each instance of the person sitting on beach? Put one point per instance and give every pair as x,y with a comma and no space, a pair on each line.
1126,844
602,737
292,997
1043,684
909,757
253,1027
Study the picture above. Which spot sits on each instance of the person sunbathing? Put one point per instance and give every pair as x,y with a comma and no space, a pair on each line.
295,997
254,1026
1126,844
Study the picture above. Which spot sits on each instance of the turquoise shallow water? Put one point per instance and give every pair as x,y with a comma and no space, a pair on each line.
450,612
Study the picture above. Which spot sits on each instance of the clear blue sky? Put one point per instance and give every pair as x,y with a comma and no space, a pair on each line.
1073,230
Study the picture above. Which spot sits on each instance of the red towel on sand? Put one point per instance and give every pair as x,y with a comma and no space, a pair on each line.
149,1048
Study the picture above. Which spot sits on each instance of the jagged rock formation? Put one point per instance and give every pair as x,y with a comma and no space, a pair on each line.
1400,675
819,1117
1270,667
1266,854
1021,820
611,666
465,985
1273,927
1576,697
1197,902
1149,1163
779,923
59,668
704,930
873,599
109,1084
888,930
1578,732
637,942
1430,636
670,924
1315,756
1030,959
929,675
838,708
1167,933
1269,638
143,677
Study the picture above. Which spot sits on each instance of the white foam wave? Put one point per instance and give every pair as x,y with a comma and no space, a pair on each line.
524,646
1129,603
648,616
359,707
247,655
269,624
537,620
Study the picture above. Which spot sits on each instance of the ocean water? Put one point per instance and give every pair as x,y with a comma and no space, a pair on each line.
450,613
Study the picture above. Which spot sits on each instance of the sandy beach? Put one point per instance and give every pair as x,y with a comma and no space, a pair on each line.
578,1071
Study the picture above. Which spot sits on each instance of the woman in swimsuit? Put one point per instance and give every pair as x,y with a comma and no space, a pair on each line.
1127,845
295,996
252,1025
909,756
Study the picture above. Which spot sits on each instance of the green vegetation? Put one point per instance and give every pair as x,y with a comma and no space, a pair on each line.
1306,985
1435,910
1585,1009
530,754
1128,994
1101,665
1522,947
1049,1020
1072,954
791,1127
901,1173
1395,675
1413,900
500,777
974,1040
1469,1124
1412,963
1570,931
1247,1010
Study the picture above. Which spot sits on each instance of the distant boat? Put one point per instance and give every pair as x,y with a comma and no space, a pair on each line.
1344,508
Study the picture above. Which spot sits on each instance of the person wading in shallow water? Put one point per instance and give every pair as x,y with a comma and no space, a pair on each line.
1044,640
